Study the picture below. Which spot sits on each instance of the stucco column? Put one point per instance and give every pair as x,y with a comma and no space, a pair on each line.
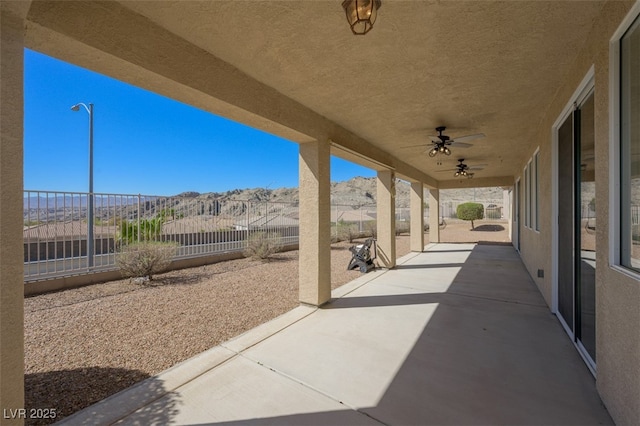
417,216
434,215
11,241
315,223
386,220
507,206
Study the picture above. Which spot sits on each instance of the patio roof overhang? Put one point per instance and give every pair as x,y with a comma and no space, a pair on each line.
295,69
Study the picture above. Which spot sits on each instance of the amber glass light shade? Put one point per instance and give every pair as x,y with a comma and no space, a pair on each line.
361,14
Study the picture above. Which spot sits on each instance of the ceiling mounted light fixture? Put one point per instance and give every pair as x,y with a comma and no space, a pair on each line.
439,148
361,14
441,142
463,170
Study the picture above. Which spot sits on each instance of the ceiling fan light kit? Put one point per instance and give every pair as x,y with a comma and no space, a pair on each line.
463,169
442,142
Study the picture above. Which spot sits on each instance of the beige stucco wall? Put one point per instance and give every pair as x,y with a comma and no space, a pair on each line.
617,294
417,216
434,216
11,154
315,216
386,218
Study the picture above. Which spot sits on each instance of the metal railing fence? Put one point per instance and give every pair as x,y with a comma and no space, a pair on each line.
56,226
635,214
492,209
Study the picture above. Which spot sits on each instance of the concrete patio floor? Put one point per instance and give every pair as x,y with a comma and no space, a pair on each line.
458,334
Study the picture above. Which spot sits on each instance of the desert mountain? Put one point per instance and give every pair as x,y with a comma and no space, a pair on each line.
357,191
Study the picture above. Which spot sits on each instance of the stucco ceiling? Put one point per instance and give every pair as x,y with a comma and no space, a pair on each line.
473,66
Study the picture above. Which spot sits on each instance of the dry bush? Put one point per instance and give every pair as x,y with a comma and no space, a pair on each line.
145,259
402,228
371,228
348,232
262,245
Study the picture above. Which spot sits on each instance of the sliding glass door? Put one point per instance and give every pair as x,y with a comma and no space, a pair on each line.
577,226
566,227
586,283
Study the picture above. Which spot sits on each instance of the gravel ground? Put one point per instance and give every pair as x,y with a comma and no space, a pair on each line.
85,344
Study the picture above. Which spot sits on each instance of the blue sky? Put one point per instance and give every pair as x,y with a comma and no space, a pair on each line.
143,142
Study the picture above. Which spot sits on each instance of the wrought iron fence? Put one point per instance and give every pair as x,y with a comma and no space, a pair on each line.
635,214
492,209
56,227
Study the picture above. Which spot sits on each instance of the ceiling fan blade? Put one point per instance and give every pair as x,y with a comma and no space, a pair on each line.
469,137
426,144
477,167
434,139
446,170
461,144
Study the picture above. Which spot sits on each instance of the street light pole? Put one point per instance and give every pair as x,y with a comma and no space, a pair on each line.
90,213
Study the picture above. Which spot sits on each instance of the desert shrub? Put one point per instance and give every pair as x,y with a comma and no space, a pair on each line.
371,228
142,230
347,231
145,259
335,236
402,228
262,245
470,211
167,214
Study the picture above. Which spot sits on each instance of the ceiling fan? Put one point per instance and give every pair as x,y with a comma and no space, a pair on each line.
442,142
464,170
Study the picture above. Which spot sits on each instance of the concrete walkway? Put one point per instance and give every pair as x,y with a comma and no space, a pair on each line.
458,334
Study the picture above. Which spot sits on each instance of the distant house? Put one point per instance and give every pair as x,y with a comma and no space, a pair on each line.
65,231
352,215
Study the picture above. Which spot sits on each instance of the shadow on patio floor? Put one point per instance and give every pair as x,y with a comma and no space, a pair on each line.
66,391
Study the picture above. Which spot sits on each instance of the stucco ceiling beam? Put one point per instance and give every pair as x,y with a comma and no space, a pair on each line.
17,8
139,51
503,181
352,148
112,29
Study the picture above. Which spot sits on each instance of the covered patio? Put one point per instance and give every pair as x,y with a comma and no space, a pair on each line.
458,334
454,335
